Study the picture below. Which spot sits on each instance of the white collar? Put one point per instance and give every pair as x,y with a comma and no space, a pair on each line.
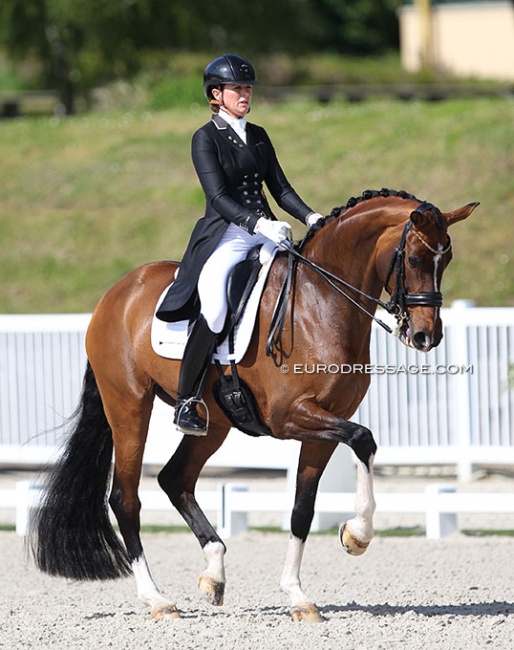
237,123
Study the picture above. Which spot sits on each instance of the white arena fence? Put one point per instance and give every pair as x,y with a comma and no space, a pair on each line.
452,406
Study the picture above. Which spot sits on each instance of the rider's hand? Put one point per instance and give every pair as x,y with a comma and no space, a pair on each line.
277,231
313,219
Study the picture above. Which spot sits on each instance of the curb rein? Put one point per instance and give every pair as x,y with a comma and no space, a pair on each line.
397,305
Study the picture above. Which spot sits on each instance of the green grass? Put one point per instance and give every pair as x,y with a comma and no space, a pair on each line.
85,199
400,531
389,532
488,533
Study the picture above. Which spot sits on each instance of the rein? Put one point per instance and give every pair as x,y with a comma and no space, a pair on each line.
397,306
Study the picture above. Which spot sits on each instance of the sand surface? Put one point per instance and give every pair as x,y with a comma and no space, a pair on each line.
412,593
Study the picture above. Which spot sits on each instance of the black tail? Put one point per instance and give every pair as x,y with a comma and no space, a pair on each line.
71,534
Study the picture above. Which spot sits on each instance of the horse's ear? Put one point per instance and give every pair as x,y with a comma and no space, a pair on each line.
460,214
418,219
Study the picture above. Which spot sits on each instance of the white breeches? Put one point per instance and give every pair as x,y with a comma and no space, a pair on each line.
212,283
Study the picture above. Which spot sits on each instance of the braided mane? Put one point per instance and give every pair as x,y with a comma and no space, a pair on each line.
369,194
365,196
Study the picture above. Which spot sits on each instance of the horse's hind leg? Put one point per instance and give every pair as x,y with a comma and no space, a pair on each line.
178,479
129,417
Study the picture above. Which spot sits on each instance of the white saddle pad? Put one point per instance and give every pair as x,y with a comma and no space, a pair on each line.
169,339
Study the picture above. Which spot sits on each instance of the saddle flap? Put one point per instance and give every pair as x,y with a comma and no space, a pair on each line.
241,280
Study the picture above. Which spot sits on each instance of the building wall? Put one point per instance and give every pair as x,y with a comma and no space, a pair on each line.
474,39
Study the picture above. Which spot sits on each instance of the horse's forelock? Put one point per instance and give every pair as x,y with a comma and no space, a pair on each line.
438,218
435,213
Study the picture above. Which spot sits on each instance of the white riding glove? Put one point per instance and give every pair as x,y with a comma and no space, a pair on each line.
277,231
313,219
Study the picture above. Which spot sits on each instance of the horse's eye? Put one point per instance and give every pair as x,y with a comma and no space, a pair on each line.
415,262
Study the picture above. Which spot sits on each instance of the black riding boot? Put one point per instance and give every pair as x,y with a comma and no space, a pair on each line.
195,363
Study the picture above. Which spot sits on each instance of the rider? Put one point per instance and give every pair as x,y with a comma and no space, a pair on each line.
232,159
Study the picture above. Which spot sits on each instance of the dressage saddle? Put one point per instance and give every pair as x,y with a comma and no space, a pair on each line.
231,393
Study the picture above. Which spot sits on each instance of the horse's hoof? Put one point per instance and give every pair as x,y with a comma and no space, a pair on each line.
165,611
308,613
212,591
350,543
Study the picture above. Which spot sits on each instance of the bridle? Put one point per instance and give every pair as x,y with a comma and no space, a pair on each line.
400,300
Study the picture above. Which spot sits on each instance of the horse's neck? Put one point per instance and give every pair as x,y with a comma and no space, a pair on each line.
348,250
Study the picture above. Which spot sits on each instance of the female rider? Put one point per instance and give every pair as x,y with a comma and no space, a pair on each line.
233,158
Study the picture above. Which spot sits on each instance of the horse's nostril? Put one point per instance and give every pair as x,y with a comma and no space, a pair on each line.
422,341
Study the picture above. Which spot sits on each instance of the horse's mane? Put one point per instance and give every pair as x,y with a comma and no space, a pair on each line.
338,212
365,196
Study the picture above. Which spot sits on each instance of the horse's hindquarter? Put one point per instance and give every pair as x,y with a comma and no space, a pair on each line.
119,331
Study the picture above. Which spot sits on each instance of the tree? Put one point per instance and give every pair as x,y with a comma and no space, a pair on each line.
361,27
77,43
83,43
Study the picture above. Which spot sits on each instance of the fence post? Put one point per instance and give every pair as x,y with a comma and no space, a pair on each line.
27,493
462,420
339,476
438,524
230,523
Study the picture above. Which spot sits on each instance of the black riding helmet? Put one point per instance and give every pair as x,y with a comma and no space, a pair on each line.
227,69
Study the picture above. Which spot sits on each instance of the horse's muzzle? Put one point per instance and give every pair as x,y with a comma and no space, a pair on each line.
420,333
424,341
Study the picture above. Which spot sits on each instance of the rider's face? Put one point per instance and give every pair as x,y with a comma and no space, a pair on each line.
235,98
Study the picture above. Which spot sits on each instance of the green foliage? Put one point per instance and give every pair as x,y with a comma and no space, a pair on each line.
10,78
177,92
359,28
79,45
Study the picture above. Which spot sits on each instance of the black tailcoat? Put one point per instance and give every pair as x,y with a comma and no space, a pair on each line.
231,174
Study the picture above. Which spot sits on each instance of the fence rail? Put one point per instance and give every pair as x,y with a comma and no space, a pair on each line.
454,405
232,502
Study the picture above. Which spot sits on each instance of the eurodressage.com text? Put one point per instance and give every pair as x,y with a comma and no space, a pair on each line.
376,369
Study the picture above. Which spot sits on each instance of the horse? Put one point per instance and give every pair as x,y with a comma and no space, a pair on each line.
380,240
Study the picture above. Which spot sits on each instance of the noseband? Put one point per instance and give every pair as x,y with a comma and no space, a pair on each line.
400,298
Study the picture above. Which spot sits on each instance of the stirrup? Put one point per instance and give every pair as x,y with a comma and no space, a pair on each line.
192,432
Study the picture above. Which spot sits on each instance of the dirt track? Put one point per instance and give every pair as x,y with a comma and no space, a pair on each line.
404,593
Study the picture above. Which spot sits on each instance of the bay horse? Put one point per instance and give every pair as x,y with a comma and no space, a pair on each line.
382,239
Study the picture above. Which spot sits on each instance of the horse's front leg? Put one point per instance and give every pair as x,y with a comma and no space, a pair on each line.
313,460
357,533
317,447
